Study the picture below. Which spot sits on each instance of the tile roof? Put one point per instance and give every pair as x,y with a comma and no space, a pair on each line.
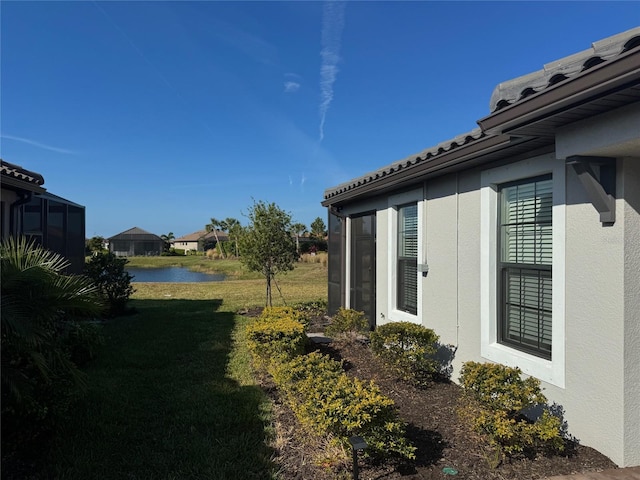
512,91
135,233
408,162
192,237
11,170
195,236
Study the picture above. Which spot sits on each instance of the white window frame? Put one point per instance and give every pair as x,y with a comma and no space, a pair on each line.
395,201
550,371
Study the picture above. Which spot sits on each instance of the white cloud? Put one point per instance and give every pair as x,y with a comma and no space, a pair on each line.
291,87
332,26
37,144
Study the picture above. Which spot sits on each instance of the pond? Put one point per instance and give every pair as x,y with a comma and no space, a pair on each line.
172,275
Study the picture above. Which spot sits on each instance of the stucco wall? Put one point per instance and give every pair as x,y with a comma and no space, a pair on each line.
601,395
594,330
592,398
631,194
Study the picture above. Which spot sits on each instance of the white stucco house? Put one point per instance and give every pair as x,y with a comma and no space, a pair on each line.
519,242
195,241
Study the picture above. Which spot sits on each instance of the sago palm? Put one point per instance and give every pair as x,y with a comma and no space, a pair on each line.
38,298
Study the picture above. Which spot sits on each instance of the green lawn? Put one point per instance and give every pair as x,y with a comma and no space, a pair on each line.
171,394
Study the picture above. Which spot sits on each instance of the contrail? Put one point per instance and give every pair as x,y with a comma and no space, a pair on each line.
332,26
37,144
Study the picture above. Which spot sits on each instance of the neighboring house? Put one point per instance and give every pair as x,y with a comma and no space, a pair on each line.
197,240
519,242
135,242
53,222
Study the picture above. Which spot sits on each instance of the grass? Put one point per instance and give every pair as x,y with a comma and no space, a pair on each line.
172,393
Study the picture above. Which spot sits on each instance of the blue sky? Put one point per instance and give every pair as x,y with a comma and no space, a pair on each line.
162,115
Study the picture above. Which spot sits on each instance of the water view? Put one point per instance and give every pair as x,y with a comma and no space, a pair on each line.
172,275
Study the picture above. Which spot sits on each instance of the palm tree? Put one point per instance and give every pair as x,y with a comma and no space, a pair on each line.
235,229
298,229
38,302
213,226
166,241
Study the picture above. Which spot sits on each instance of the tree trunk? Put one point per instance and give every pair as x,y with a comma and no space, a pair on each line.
269,303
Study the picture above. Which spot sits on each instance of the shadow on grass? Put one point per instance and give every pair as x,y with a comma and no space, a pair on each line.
164,401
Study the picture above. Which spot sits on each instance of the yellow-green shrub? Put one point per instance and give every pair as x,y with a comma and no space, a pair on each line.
271,338
347,323
408,349
500,396
277,313
328,401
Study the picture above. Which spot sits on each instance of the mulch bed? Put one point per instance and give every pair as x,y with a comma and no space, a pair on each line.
433,426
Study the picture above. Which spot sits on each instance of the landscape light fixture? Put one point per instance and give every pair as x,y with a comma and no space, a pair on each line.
357,444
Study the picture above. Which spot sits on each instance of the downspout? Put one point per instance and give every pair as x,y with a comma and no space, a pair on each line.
457,260
25,197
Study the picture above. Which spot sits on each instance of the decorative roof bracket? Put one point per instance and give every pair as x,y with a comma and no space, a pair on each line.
601,188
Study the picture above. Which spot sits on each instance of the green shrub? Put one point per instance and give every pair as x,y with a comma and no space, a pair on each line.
314,307
499,396
408,349
275,339
83,340
276,313
329,402
173,252
114,282
347,324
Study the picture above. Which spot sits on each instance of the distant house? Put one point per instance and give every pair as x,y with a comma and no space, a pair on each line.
51,221
135,242
519,242
197,241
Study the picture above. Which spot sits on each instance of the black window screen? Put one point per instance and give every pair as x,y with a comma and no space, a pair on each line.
336,264
407,300
526,265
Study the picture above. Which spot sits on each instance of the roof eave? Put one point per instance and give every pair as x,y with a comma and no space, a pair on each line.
423,169
18,184
595,82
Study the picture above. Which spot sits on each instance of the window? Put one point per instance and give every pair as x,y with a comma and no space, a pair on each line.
522,267
407,275
525,265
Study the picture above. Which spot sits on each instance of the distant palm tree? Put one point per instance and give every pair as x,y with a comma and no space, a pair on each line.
235,229
298,229
213,226
166,241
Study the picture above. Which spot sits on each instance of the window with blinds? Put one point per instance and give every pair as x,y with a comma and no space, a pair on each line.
407,300
525,267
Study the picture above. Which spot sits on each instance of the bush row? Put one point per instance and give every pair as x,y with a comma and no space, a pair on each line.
498,397
323,397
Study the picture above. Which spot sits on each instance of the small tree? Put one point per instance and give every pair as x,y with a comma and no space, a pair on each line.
95,244
318,228
266,245
108,273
